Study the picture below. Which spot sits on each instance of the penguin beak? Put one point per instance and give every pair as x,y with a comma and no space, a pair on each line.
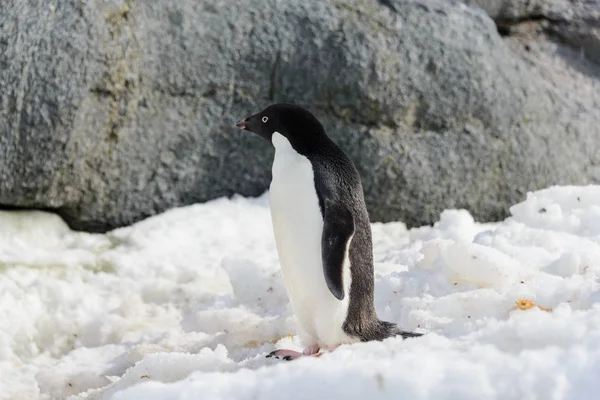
241,124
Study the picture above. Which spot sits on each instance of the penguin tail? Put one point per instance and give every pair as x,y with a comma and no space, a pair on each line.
379,330
395,331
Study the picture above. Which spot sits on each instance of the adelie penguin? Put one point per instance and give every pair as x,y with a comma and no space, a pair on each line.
322,233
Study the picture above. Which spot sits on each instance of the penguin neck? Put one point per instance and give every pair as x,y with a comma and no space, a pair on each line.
286,157
306,148
281,144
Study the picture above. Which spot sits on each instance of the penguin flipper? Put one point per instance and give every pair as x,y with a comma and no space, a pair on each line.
338,228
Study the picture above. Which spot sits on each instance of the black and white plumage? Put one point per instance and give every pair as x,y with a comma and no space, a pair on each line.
322,231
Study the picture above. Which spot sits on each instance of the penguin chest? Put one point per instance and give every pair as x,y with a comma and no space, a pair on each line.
298,227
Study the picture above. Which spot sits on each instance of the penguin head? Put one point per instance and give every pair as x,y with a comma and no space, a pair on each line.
301,128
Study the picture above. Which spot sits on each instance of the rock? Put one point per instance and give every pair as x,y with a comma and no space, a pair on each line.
511,10
114,111
521,10
577,22
579,26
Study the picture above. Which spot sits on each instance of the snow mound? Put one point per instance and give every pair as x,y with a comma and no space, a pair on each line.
186,304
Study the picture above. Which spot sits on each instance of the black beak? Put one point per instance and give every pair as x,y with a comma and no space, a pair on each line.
241,124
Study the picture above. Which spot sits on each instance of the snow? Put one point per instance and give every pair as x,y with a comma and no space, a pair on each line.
186,304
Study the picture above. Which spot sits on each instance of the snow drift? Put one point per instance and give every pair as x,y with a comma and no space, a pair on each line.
185,305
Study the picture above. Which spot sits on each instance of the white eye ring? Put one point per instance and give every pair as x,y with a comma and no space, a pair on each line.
265,119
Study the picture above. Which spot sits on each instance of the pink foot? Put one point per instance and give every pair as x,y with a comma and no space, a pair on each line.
289,355
311,350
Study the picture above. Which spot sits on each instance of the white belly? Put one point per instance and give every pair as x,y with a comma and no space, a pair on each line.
298,226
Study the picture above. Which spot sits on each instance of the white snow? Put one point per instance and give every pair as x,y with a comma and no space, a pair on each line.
185,305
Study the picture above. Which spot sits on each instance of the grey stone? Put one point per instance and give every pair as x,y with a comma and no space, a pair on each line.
577,22
112,111
579,26
514,10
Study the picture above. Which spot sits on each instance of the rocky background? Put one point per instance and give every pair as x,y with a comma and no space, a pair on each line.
111,111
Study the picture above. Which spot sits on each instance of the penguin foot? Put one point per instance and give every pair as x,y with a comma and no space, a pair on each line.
286,355
311,350
289,355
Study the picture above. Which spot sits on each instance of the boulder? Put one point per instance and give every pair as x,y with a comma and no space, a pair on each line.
576,22
111,111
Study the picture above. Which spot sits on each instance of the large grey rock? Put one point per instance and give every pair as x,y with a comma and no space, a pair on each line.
576,22
113,111
516,10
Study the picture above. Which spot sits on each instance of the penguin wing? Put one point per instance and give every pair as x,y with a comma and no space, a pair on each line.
338,228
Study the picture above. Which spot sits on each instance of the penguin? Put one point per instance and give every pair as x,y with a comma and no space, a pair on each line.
322,233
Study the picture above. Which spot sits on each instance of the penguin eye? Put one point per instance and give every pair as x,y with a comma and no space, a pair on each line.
265,119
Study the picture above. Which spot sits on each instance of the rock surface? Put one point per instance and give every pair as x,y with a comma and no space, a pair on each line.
111,111
576,22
